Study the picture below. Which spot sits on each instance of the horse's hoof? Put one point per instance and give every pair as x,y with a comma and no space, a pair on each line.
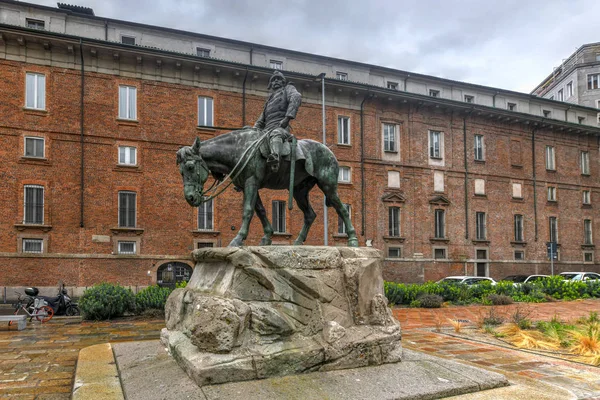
353,242
236,242
265,241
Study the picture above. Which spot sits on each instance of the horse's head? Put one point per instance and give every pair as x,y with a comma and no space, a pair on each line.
194,171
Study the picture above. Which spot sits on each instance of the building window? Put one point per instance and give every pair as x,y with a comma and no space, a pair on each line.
551,193
517,191
389,138
205,216
127,155
33,205
479,153
551,97
553,229
519,228
276,64
128,39
33,246
35,91
341,225
439,253
550,158
35,24
593,81
392,85
205,111
126,247
440,224
569,89
34,147
581,119
469,99
394,252
343,130
435,144
204,245
588,256
200,52
279,216
546,113
585,163
511,106
434,93
127,102
480,226
127,208
342,76
560,95
519,255
344,175
587,231
394,221
587,197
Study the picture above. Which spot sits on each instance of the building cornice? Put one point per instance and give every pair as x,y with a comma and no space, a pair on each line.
356,88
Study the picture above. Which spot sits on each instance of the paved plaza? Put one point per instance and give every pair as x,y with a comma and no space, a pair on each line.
39,362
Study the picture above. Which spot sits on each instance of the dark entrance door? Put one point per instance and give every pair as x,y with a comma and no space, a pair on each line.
171,273
481,267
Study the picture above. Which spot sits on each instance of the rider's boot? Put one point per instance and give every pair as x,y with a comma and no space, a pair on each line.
273,159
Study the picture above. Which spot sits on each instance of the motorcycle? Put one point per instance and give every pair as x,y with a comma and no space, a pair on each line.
61,304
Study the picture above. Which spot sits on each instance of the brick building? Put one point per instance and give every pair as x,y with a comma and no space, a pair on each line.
444,177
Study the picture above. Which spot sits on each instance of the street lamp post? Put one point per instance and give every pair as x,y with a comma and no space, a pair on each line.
321,77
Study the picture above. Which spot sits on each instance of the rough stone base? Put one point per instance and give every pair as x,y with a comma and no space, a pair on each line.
256,312
148,373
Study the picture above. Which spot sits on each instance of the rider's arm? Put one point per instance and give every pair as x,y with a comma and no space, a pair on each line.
260,122
294,100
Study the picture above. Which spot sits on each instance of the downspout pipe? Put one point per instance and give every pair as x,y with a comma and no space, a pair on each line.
535,214
362,166
466,176
494,99
81,123
406,79
244,98
105,30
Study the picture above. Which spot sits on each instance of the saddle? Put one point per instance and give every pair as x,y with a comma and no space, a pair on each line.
286,149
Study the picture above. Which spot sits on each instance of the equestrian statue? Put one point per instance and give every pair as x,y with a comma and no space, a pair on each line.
265,156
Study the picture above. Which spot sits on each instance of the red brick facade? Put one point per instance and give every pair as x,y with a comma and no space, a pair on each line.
166,226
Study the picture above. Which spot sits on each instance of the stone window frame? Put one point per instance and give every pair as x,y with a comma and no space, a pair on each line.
340,75
127,107
211,213
519,227
521,251
591,80
552,193
31,137
34,103
435,93
341,177
588,252
127,224
569,88
396,137
214,242
550,158
278,207
25,203
444,248
588,232
135,153
584,161
117,239
511,106
128,36
437,228
469,98
388,247
203,52
392,85
275,64
479,227
479,147
203,106
344,134
586,195
432,153
392,224
24,236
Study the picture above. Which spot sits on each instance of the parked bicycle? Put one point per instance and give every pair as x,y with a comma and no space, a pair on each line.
33,307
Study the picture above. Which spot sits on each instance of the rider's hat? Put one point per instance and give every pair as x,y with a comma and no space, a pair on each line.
279,75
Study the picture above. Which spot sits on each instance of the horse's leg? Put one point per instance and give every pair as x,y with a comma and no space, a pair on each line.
330,191
301,195
262,215
250,195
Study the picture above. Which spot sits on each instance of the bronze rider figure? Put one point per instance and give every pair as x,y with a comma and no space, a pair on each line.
281,107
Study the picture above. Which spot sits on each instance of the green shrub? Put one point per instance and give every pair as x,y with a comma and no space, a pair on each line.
152,297
430,300
500,299
105,301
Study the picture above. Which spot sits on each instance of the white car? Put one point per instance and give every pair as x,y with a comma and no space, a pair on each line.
580,276
467,280
520,279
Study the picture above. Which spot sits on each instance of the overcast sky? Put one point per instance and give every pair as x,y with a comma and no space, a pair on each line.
511,45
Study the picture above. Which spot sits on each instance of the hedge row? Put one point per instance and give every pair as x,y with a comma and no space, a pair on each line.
107,300
553,288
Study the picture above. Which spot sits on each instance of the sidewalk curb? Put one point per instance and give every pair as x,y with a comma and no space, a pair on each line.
96,376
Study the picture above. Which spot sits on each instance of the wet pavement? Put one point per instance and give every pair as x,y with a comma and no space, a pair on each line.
39,362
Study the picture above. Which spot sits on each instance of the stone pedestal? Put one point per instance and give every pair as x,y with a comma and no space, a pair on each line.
256,312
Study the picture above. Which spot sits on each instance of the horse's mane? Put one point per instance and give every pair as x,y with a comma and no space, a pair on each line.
184,153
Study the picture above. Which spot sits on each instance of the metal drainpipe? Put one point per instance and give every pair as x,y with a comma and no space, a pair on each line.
405,79
82,181
244,99
466,177
105,30
535,218
251,53
362,166
494,99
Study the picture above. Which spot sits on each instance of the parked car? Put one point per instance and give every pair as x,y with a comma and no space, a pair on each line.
520,279
467,280
580,276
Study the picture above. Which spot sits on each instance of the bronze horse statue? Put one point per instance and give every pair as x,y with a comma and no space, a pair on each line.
239,152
